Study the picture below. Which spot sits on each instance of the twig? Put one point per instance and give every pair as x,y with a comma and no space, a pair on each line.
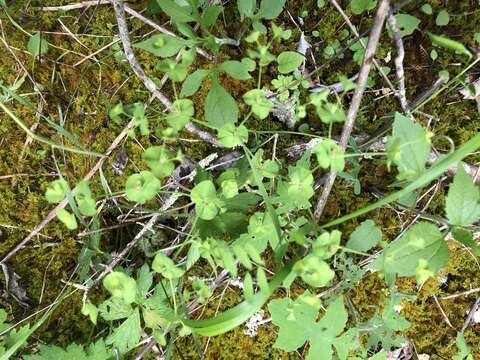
465,293
373,39
79,5
468,320
356,33
445,317
402,95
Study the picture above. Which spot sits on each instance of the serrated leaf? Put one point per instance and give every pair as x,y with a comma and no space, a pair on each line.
127,335
121,286
96,351
193,82
422,251
220,107
162,264
365,236
409,147
204,196
463,200
289,61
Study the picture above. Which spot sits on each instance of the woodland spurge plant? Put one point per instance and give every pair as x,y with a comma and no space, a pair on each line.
253,221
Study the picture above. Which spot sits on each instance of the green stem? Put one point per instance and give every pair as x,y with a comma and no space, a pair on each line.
41,138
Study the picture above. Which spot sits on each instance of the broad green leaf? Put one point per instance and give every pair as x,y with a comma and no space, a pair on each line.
279,33
314,271
90,310
180,114
421,251
142,187
37,45
202,291
327,244
289,61
160,160
231,136
449,44
220,107
297,323
162,264
365,236
270,9
463,200
176,12
246,8
466,238
176,71
84,199
144,280
56,191
193,82
329,154
229,188
297,191
67,218
204,196
443,18
359,6
210,15
427,9
257,99
162,45
408,147
238,70
115,113
464,351
407,24
121,286
127,335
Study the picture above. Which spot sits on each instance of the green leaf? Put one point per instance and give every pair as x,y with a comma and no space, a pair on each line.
84,199
142,187
246,8
96,351
176,12
204,196
421,251
329,154
257,99
289,61
160,160
231,136
180,114
409,147
238,70
427,9
270,9
67,219
365,236
90,310
449,44
407,24
210,15
127,335
192,83
56,191
162,264
297,323
37,45
115,113
314,271
161,45
121,286
443,18
463,200
220,107
464,351
229,188
359,6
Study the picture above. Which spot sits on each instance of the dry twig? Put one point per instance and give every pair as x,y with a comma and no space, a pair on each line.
373,39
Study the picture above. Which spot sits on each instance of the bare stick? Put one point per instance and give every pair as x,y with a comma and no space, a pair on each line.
373,39
79,5
356,33
402,95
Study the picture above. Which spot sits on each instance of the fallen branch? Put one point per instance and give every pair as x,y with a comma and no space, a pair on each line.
373,39
399,63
